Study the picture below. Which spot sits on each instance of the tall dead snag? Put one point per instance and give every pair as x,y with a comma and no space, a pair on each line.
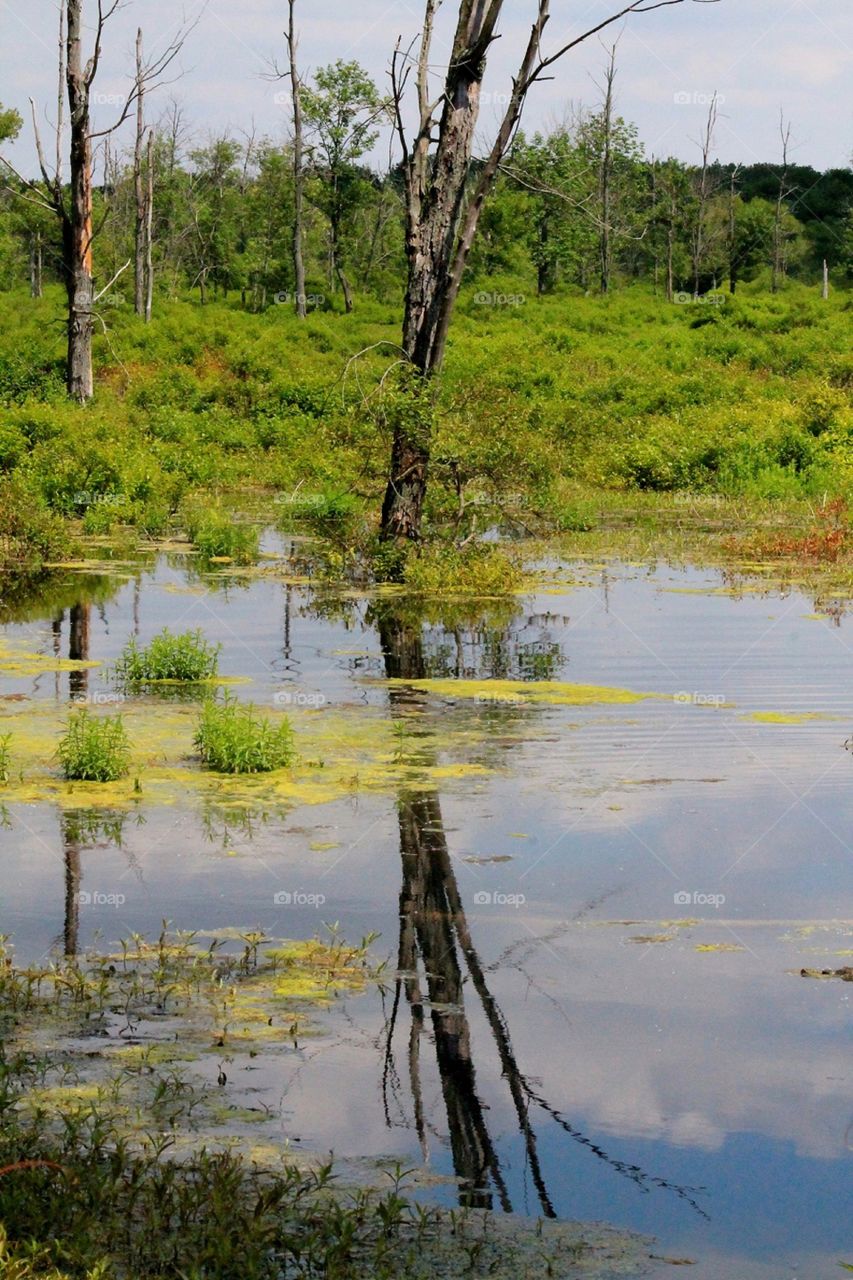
139,190
440,221
72,203
298,164
605,175
779,216
705,189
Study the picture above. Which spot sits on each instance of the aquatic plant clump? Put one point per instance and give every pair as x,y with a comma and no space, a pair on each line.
5,739
476,570
232,738
217,537
94,749
187,657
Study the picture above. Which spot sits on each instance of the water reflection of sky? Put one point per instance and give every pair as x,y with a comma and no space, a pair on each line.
721,1070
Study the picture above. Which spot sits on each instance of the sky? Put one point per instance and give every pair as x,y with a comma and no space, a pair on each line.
760,56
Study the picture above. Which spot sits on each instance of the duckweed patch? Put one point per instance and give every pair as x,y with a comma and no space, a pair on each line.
509,692
788,717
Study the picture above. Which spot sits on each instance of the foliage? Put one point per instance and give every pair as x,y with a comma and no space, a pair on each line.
218,537
184,657
233,738
94,749
5,740
479,569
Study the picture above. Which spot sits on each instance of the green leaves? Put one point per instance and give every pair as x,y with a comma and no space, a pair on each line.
94,749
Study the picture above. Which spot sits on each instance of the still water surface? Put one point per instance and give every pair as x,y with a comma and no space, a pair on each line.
598,932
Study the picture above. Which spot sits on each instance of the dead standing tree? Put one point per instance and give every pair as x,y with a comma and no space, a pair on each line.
72,203
440,225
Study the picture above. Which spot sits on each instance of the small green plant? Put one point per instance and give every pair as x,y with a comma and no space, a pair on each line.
476,570
217,537
94,749
185,657
233,738
5,739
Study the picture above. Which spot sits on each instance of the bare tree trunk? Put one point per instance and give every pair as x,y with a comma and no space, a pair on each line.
36,261
139,188
778,237
605,175
703,196
440,226
298,167
733,258
77,235
824,293
149,229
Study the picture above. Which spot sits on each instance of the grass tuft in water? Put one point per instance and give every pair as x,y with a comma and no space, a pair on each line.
94,749
185,657
233,738
5,739
217,537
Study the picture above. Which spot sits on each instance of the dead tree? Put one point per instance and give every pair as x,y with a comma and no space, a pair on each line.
440,224
139,190
705,188
298,164
782,195
72,202
605,174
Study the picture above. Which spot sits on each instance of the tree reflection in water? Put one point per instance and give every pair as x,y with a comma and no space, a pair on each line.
436,960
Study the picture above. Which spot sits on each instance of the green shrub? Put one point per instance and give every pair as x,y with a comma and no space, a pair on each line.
29,534
5,739
183,657
218,537
94,749
475,570
232,738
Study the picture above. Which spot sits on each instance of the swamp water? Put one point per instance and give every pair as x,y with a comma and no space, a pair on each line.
601,831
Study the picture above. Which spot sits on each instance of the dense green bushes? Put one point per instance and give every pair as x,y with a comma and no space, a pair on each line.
751,397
